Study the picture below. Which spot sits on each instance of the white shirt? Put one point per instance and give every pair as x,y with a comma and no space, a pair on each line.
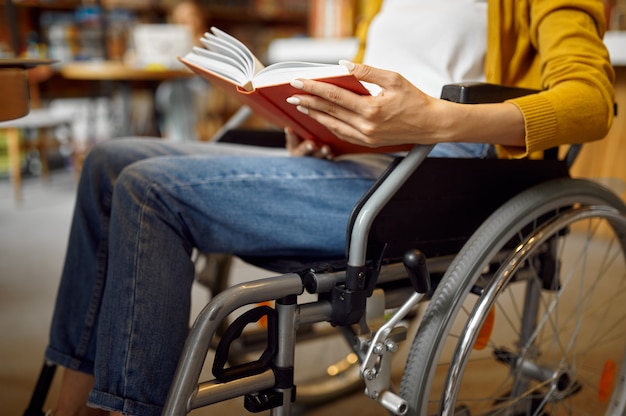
430,42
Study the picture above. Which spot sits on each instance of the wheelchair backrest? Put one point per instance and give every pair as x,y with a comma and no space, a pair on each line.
445,200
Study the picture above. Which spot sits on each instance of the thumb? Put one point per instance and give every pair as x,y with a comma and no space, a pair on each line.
366,73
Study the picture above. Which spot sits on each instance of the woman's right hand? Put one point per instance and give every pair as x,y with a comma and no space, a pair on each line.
299,147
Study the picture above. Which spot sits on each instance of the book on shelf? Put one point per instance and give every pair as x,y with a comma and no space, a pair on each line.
228,64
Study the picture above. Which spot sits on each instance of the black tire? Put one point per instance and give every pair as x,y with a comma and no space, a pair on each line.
480,279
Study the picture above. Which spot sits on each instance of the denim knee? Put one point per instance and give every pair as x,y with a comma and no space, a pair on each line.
112,156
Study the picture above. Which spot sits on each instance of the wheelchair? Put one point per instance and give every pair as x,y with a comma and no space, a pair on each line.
512,272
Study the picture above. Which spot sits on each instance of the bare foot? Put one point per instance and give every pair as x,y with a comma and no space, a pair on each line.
75,388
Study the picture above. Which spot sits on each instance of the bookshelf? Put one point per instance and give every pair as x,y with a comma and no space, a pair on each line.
82,30
262,19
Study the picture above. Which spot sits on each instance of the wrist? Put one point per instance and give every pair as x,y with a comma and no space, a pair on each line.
452,121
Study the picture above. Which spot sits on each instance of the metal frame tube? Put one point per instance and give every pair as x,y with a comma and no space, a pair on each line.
371,208
184,388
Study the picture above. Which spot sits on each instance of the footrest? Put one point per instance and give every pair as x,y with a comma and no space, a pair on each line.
234,331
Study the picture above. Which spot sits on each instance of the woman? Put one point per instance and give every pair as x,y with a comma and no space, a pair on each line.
144,205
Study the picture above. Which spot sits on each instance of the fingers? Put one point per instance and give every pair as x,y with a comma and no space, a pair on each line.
309,148
339,102
333,96
298,147
325,153
350,116
341,111
292,141
325,98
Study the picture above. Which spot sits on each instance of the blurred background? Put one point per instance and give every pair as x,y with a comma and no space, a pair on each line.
116,71
115,74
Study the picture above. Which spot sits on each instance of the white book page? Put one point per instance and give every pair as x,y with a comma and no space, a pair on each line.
228,60
284,72
219,66
217,45
254,64
228,57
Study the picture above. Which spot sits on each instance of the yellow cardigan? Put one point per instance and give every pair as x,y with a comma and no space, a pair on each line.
555,46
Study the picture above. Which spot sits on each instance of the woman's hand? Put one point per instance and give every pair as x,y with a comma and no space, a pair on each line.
401,113
298,147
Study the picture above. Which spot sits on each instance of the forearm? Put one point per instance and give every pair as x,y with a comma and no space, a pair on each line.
501,124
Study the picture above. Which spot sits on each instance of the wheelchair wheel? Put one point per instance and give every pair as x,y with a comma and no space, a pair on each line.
529,319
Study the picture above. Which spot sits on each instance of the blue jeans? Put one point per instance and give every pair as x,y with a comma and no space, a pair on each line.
142,206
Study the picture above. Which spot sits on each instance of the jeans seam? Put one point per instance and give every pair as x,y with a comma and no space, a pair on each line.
96,300
140,218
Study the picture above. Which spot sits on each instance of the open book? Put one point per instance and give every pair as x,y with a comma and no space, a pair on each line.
230,65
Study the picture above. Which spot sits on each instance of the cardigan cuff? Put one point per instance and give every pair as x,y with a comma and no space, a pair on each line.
540,123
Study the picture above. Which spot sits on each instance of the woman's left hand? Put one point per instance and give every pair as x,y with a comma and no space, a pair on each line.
299,147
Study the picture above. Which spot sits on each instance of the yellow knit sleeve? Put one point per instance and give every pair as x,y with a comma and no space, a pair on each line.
554,46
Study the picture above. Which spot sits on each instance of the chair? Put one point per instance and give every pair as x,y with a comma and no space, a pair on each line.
42,121
503,254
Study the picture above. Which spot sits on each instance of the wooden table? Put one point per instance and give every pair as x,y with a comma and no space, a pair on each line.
122,76
14,102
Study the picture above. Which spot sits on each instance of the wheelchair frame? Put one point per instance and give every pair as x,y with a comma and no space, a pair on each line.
343,296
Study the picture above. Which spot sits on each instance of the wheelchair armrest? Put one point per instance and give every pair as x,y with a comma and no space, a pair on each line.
482,92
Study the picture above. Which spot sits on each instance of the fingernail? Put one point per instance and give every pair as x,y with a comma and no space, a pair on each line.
293,100
308,146
296,83
325,150
347,64
303,110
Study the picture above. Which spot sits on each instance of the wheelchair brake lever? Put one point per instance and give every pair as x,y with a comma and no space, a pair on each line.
376,367
415,264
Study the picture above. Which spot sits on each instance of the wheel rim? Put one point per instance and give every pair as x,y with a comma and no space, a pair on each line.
543,372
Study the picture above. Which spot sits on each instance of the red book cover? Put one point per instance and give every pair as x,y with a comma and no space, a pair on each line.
270,102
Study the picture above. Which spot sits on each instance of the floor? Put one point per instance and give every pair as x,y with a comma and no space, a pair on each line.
33,236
